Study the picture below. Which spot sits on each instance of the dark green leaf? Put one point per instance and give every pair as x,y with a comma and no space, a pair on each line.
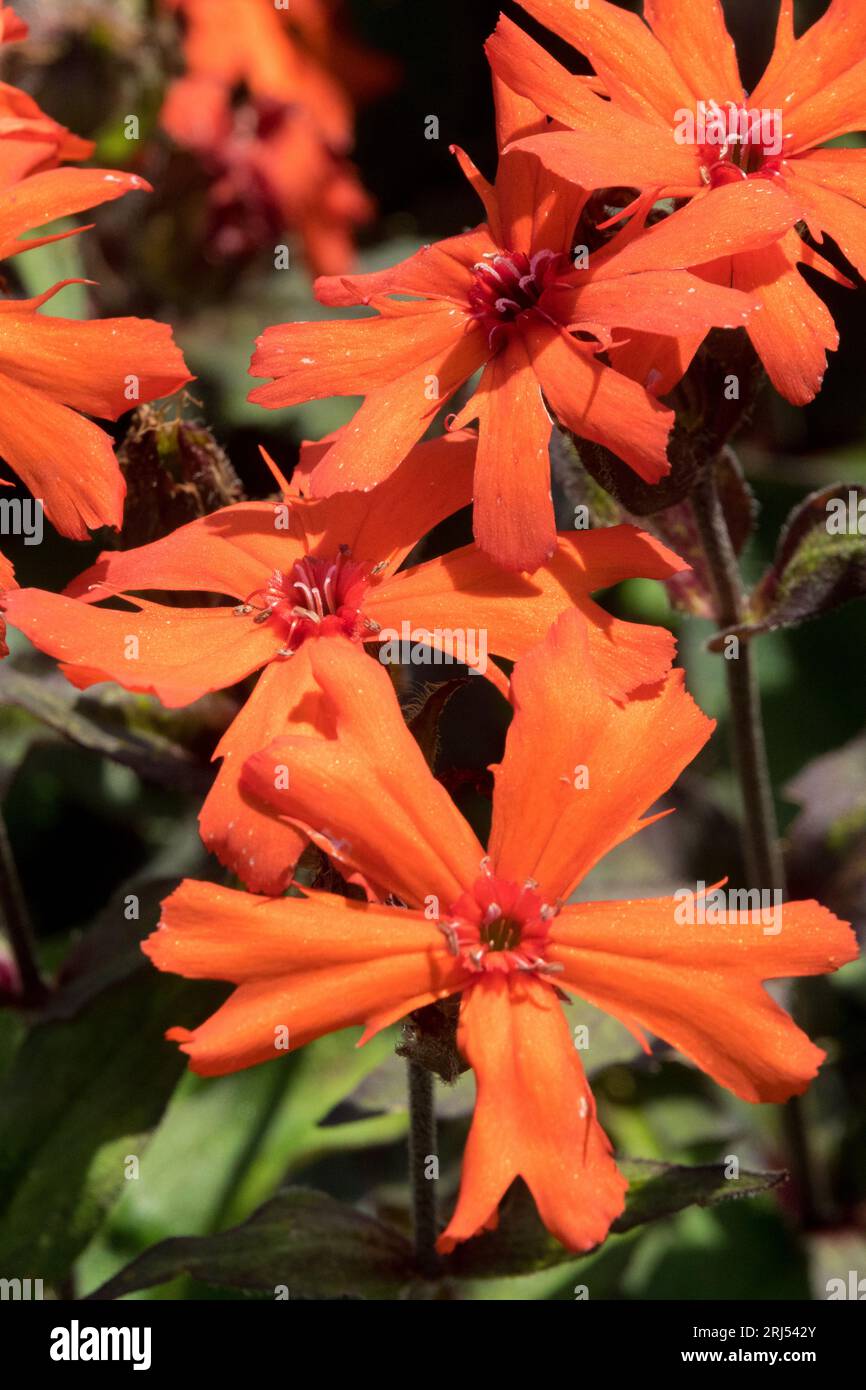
87,1085
303,1241
105,725
521,1244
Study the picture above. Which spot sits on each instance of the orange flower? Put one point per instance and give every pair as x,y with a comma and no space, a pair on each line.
277,158
506,297
493,928
659,79
270,169
310,569
11,27
231,43
50,370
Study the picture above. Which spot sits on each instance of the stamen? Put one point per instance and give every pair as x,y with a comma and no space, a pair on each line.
449,931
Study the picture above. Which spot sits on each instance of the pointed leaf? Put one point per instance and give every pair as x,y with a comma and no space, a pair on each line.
302,1241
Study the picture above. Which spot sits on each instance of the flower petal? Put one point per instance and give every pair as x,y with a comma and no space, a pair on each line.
513,517
105,367
465,591
534,1118
56,193
310,965
807,76
177,654
839,171
794,330
433,482
66,461
569,789
686,304
597,403
742,216
408,364
622,152
365,793
835,213
7,581
538,210
635,68
261,849
441,271
231,552
700,986
695,35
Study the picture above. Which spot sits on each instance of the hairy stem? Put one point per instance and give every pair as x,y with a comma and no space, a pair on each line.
422,1145
761,848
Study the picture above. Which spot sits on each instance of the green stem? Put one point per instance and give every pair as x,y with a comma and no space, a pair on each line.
761,847
15,924
762,850
422,1145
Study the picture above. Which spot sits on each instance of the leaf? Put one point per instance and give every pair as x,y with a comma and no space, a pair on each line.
84,1090
661,1189
102,724
521,1244
820,563
243,1135
305,1241
48,265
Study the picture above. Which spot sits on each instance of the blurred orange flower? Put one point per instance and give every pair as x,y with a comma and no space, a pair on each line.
493,928
267,102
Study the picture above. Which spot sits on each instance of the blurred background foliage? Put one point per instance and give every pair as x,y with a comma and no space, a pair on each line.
100,792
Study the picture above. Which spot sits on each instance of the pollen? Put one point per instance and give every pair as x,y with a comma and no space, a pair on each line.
511,285
500,925
319,596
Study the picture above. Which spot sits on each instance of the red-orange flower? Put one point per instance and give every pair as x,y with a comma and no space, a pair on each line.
507,297
52,369
277,158
578,773
657,78
11,27
307,569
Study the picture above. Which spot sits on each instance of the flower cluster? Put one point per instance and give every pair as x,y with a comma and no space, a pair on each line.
545,316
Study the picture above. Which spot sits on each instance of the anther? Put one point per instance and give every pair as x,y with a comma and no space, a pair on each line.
449,931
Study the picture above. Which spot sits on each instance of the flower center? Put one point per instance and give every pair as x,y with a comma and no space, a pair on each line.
500,925
509,285
317,597
742,143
